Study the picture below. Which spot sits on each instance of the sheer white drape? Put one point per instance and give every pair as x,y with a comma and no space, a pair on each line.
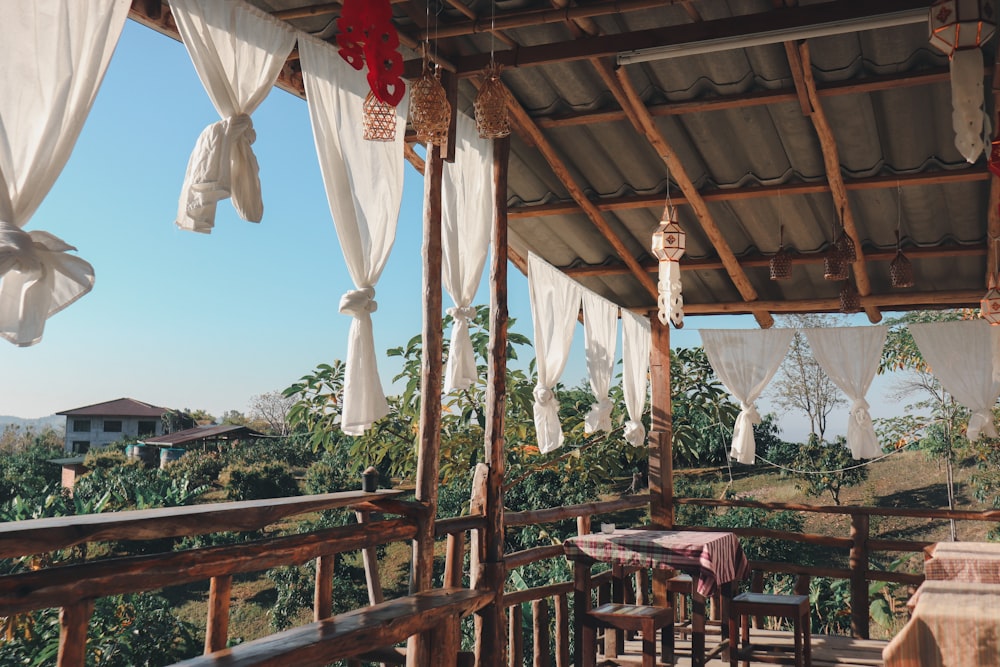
364,185
850,356
54,54
745,361
600,332
635,367
960,356
466,227
238,52
555,304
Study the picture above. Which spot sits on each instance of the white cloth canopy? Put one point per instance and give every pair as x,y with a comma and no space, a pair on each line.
54,55
364,186
555,304
849,356
466,226
600,333
635,368
745,361
960,355
238,52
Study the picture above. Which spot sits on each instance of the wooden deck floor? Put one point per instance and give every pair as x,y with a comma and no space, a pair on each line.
827,650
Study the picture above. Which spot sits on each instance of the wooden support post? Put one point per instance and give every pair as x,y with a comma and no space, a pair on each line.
661,468
323,598
369,556
586,641
562,631
540,620
490,644
859,575
73,622
516,636
220,591
453,560
418,653
583,525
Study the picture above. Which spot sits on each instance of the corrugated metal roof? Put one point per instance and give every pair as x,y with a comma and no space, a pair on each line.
209,432
120,407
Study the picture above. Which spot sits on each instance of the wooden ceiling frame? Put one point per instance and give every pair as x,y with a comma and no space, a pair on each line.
993,210
890,301
831,158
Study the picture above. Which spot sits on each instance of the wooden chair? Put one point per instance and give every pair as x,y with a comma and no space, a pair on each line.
639,618
759,605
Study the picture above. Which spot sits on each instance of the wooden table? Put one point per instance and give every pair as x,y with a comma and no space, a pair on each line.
715,560
954,624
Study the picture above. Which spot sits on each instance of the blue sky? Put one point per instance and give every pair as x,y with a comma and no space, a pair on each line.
180,319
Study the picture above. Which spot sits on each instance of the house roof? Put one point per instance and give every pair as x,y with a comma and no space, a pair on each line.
210,432
120,407
832,123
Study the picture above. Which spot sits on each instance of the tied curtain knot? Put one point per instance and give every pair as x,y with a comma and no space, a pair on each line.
462,313
635,433
359,303
599,417
859,410
981,423
20,252
543,395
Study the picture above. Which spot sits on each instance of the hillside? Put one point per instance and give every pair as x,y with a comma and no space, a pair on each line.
55,422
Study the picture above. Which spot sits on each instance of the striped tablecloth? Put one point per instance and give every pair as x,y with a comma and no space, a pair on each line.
715,558
954,624
964,561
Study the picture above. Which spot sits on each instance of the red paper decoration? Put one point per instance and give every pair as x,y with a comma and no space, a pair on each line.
367,34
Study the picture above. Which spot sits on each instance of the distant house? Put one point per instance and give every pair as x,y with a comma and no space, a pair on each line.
203,435
103,423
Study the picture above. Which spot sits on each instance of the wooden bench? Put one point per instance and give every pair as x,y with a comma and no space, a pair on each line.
639,618
359,631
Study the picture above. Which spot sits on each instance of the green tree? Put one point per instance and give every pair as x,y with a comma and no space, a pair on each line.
703,413
823,467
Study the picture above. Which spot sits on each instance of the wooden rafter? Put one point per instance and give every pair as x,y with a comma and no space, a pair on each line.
993,210
831,158
976,173
891,301
647,127
759,261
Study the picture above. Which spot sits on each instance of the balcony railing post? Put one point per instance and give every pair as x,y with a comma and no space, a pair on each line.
540,619
217,628
73,621
323,598
859,575
562,631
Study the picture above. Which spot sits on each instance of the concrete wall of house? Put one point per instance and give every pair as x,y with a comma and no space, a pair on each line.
84,433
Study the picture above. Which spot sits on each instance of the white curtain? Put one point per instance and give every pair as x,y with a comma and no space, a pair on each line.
746,361
555,304
850,356
466,226
960,355
54,54
364,186
238,52
635,369
600,333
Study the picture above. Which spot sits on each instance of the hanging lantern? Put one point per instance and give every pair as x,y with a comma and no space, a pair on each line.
669,241
490,105
846,248
379,119
781,261
834,266
989,306
430,112
958,28
850,300
900,269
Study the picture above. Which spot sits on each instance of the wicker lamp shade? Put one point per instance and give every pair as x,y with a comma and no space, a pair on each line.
430,112
834,266
781,264
379,119
901,271
492,118
846,247
850,300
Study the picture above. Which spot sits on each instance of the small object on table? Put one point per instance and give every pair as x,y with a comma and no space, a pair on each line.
369,480
607,528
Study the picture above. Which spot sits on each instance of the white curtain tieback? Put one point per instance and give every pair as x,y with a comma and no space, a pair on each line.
240,126
981,423
859,410
27,252
635,433
749,412
599,417
543,395
359,302
464,313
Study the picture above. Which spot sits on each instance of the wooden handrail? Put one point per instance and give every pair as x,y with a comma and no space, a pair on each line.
533,555
22,538
552,514
967,515
805,538
459,524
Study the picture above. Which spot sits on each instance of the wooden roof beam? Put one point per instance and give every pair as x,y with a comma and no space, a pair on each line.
891,301
647,127
500,34
993,208
831,158
760,261
972,173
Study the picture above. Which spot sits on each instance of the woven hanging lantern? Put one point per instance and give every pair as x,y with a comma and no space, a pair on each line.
492,118
669,241
430,112
379,119
781,261
850,300
834,266
900,269
846,247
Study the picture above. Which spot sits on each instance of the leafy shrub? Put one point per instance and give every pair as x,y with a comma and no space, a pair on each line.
258,480
331,473
201,468
104,457
293,451
29,474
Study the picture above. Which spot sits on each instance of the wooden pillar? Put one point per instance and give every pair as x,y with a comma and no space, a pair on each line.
74,619
490,644
429,443
323,594
859,575
661,464
220,591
